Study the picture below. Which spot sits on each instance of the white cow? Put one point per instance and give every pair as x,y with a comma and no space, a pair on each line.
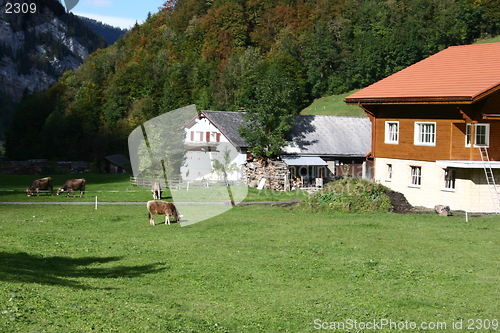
156,190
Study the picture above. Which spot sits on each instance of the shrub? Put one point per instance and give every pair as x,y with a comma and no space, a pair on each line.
350,195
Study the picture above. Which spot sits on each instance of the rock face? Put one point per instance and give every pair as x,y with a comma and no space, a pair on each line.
33,59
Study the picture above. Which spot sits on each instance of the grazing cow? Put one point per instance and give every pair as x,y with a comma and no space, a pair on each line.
162,207
40,184
442,210
156,190
72,185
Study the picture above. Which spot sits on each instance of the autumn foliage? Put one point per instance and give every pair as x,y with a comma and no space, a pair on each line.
223,54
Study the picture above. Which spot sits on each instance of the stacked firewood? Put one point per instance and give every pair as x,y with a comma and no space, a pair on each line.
275,173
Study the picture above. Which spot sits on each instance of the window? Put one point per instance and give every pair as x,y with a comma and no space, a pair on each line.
392,132
449,179
481,135
416,175
468,128
425,134
200,135
389,172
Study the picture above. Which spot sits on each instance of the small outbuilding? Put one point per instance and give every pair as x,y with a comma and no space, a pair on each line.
320,148
116,164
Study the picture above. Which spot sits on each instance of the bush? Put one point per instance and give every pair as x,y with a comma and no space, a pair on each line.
350,195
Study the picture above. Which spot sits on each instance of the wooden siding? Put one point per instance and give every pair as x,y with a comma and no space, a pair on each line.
450,122
450,141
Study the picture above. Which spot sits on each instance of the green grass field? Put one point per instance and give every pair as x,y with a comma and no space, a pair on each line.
113,188
333,106
252,269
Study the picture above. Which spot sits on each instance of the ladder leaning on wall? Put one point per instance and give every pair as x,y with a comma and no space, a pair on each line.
490,178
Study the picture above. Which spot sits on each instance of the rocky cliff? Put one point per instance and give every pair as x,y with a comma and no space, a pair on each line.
35,58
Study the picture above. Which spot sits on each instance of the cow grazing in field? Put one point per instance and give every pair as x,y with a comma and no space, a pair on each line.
72,185
40,184
156,190
162,207
442,210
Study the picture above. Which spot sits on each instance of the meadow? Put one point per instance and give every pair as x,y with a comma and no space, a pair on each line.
113,188
255,268
334,105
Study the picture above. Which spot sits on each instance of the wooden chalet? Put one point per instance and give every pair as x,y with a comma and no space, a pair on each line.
436,128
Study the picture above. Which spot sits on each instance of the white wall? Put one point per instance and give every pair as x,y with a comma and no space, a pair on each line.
198,164
471,191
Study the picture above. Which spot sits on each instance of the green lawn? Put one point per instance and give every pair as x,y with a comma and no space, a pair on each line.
251,269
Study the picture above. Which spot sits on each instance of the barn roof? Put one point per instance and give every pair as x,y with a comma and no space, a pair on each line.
313,135
458,74
330,135
228,123
119,160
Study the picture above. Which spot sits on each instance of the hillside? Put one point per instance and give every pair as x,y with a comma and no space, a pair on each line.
34,59
109,33
333,106
224,54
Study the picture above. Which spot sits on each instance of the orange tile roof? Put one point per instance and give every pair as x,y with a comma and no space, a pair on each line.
461,74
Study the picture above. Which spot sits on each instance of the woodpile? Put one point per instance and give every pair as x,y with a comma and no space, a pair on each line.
275,172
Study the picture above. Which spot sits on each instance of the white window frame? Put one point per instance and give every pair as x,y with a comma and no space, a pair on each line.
450,176
486,135
468,135
389,172
416,175
422,137
391,137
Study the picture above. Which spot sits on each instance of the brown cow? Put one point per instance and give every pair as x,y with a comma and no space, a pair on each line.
156,190
40,184
162,207
72,185
442,210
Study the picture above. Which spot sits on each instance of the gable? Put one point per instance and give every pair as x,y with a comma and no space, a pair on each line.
228,123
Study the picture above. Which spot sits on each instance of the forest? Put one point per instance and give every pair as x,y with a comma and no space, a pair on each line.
229,55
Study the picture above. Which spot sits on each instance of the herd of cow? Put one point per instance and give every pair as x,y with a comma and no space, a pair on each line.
72,185
45,184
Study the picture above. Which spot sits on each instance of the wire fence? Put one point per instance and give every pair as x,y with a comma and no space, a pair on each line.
176,184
